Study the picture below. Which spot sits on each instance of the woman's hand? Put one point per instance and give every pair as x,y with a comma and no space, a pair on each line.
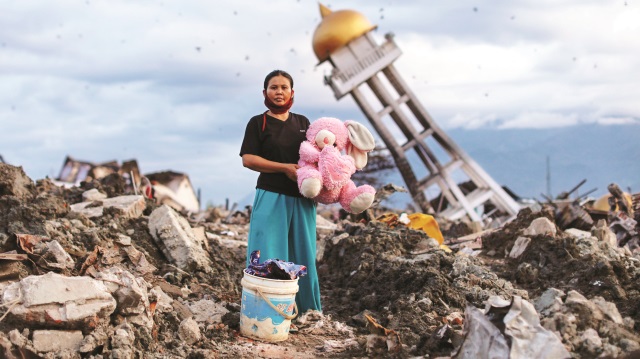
290,170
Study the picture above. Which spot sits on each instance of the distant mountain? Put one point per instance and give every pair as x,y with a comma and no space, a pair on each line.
517,158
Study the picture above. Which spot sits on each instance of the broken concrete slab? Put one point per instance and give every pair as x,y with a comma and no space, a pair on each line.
189,331
208,311
131,206
540,226
201,236
55,257
550,301
163,302
130,292
226,242
173,234
577,233
604,233
122,341
609,309
519,247
95,339
324,227
137,258
55,301
45,341
93,195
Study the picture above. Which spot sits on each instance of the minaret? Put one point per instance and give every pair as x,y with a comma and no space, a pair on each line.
362,66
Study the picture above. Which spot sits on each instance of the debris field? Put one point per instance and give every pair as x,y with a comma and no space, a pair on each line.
96,272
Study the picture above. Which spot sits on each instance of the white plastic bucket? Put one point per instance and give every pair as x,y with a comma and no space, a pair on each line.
267,308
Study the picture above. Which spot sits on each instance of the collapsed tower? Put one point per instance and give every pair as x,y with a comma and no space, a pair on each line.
360,64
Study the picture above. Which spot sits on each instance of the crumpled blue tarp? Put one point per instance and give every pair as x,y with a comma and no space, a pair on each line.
274,268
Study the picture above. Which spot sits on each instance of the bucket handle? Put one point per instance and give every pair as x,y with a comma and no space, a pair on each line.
286,316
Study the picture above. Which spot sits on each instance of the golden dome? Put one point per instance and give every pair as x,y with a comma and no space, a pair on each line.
336,29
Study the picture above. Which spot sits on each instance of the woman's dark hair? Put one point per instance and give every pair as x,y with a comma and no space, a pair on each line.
275,73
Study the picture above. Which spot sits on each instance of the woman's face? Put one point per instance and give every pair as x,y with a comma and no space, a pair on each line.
279,90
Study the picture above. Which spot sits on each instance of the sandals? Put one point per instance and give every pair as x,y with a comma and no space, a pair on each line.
293,328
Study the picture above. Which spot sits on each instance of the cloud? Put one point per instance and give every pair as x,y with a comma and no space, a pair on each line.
541,120
618,121
173,84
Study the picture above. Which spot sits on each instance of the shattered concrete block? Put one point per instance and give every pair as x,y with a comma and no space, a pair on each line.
519,247
201,236
226,242
123,240
169,288
577,233
335,240
93,195
17,338
130,292
177,241
325,229
591,341
587,246
321,244
89,212
541,225
604,233
122,341
45,341
93,340
57,257
131,206
5,346
629,345
182,310
138,258
131,295
609,309
549,302
163,301
208,311
189,331
586,309
53,300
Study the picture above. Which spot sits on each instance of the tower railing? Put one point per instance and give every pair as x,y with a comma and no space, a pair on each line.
343,81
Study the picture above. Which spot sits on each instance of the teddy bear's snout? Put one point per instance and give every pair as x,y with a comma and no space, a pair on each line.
324,138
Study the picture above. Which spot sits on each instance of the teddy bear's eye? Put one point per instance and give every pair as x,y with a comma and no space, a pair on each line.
335,145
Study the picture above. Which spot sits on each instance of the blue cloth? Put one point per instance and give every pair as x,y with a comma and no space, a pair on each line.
284,227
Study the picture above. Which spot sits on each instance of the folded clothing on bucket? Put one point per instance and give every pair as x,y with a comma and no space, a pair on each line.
274,268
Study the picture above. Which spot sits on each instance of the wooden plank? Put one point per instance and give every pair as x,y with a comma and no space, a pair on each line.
13,256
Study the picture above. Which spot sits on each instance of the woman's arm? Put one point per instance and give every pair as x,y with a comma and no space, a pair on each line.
260,164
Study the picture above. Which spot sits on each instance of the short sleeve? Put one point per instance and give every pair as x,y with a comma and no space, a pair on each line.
251,141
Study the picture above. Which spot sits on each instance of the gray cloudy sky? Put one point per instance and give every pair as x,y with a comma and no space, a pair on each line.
173,83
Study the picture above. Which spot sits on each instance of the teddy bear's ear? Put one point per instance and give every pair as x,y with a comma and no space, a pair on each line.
361,141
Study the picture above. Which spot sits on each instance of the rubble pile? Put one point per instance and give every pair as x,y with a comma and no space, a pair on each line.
97,272
106,277
402,278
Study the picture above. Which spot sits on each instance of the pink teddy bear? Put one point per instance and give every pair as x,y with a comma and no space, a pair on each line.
325,172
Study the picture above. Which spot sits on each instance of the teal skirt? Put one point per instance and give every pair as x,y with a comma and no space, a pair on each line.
284,227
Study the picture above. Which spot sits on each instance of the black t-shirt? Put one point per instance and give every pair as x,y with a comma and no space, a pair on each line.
279,142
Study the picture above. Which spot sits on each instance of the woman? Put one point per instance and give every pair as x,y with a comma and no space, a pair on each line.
283,222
